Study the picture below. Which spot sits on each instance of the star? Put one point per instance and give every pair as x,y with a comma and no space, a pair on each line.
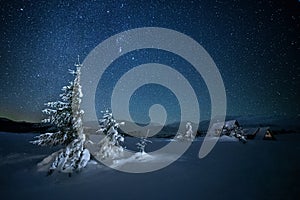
253,47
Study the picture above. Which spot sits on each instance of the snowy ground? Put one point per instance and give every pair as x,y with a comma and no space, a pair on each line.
256,170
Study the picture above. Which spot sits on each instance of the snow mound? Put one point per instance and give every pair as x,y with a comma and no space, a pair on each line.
45,164
135,158
226,138
223,138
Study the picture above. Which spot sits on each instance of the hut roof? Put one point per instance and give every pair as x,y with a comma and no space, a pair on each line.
264,133
215,128
231,124
250,131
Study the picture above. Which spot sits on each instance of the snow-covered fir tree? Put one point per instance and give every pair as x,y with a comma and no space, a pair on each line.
66,115
189,130
110,146
188,135
141,145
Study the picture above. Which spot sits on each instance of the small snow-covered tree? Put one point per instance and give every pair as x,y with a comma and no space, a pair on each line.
110,146
66,115
188,135
189,130
141,145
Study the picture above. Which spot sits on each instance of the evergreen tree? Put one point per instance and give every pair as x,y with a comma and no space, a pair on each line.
141,145
189,130
66,115
110,145
188,135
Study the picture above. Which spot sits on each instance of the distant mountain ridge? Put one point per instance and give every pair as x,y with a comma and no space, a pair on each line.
7,125
277,123
280,124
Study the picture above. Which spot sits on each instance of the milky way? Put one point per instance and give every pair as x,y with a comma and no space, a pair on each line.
255,45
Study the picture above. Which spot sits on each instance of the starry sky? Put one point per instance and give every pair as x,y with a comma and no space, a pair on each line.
255,45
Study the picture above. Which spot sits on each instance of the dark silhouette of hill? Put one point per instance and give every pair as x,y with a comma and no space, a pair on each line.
280,124
7,125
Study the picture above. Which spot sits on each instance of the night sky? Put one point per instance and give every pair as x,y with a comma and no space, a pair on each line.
255,45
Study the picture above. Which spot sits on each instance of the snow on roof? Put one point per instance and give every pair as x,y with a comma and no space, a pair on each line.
231,123
218,126
251,131
213,130
263,132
